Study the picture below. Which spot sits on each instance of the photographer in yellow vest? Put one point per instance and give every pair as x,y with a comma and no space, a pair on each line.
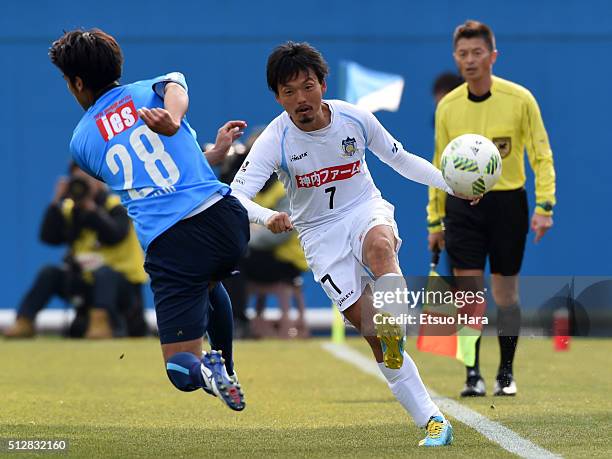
102,273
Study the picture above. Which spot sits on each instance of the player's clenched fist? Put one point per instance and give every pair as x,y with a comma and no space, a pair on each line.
279,223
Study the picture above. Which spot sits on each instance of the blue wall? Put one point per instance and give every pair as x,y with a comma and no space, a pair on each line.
561,51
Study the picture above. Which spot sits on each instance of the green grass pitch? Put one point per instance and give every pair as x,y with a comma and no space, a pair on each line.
301,402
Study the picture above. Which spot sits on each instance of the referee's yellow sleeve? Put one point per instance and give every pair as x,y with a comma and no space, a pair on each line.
540,157
437,197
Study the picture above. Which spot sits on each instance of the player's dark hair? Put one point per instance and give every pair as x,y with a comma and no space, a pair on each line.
446,82
289,59
92,55
474,29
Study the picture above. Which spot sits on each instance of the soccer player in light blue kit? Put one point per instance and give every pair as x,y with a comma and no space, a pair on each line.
135,138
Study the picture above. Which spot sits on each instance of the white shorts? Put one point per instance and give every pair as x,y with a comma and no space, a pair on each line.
334,251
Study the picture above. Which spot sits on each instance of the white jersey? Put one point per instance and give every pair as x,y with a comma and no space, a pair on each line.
325,172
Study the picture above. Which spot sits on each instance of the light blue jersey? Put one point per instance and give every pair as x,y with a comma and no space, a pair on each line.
160,179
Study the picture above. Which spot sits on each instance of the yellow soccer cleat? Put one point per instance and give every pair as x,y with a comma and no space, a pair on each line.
392,340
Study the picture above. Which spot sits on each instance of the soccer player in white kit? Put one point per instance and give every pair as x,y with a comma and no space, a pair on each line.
347,230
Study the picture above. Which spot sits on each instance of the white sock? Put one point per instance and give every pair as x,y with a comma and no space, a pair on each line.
389,292
409,390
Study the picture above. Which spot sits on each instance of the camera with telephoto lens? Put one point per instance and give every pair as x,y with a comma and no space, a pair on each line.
78,189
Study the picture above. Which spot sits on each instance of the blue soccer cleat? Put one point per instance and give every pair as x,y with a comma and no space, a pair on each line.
392,340
439,432
219,384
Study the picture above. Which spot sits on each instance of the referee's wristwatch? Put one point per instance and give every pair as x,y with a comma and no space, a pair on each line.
544,208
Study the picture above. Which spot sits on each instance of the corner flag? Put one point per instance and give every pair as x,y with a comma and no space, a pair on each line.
450,340
370,89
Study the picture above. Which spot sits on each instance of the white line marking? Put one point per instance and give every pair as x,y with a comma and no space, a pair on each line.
494,431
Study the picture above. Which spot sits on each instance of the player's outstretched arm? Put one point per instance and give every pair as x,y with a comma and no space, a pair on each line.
257,214
408,165
392,153
167,121
277,222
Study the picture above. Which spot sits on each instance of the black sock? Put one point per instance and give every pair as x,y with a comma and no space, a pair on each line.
221,325
508,329
475,370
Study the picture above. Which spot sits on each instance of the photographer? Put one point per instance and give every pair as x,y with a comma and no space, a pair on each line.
102,273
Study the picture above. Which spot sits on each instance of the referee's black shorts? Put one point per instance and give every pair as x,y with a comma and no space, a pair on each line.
497,227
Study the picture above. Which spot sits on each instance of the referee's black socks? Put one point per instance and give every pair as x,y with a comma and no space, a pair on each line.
508,329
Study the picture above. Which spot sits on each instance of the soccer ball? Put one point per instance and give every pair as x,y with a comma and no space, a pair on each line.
471,165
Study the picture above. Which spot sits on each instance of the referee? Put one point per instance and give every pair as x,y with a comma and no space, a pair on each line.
509,115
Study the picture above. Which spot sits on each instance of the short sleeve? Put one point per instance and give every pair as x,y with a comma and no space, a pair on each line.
159,83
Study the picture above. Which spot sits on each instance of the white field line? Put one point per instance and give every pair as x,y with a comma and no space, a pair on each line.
494,431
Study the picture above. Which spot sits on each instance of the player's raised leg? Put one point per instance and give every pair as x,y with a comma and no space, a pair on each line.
221,336
221,324
379,253
405,383
178,263
186,366
183,364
